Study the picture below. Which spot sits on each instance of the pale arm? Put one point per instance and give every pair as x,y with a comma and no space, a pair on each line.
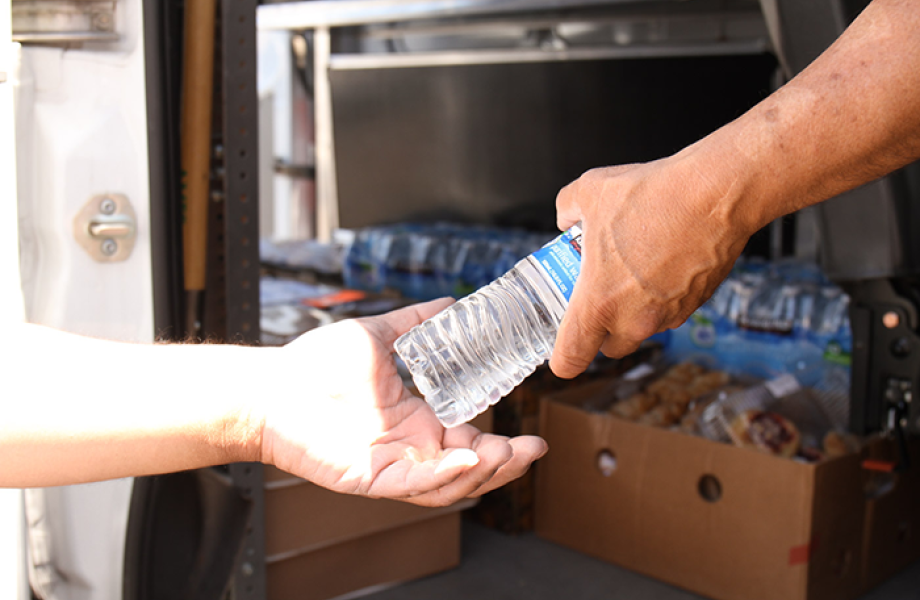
78,409
329,407
659,237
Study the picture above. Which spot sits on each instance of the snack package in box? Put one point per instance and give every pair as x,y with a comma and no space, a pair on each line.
782,418
664,396
778,416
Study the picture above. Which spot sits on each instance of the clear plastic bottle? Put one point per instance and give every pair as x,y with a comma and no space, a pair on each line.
468,357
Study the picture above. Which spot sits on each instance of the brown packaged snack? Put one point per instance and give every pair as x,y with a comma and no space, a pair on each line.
683,372
707,382
659,384
635,406
666,400
675,394
767,432
663,415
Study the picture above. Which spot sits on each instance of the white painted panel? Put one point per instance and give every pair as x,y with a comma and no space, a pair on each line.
81,130
12,568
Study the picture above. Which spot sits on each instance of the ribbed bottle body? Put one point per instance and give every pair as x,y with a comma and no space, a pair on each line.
468,357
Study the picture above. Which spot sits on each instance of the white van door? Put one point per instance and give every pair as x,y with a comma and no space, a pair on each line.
83,191
12,565
81,141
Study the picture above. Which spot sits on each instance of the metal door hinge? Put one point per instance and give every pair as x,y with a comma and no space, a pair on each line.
64,21
106,227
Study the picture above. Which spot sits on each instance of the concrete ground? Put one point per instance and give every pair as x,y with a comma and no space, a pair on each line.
496,566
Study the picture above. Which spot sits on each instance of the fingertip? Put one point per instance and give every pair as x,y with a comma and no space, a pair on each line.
543,450
565,367
533,445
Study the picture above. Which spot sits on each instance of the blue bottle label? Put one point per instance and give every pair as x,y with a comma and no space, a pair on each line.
561,259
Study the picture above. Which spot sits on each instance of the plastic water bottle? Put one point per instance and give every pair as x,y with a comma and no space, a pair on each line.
472,354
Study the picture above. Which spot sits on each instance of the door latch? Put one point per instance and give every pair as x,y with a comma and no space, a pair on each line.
106,227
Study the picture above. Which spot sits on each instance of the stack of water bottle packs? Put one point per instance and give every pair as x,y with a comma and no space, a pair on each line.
769,319
427,261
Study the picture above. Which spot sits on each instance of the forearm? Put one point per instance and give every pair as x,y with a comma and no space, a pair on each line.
79,409
850,117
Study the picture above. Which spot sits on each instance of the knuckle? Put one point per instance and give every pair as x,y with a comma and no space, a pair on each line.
593,172
566,196
618,347
678,320
637,331
638,327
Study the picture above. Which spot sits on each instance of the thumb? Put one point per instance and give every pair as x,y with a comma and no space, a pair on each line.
577,342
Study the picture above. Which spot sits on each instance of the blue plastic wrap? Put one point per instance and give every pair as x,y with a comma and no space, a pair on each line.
767,319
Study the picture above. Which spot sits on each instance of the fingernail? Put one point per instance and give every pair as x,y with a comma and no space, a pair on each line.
458,458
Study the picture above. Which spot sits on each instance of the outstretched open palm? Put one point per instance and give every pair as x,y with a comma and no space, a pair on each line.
357,429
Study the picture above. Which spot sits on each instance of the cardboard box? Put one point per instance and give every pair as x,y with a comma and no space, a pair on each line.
892,529
368,564
721,521
320,544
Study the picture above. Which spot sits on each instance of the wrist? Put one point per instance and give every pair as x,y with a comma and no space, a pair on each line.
250,380
239,433
720,191
763,165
